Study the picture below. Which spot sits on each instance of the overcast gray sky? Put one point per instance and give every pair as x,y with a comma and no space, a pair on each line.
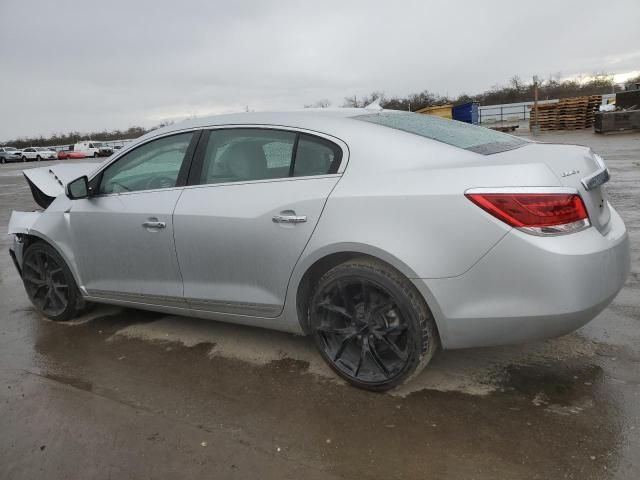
85,65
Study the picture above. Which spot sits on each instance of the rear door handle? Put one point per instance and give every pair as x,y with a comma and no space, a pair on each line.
154,225
289,218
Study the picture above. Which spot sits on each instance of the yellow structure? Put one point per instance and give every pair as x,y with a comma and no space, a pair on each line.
443,111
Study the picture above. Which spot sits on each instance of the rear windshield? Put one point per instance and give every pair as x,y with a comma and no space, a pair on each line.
452,132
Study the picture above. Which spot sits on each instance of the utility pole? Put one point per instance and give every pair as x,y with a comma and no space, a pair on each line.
536,130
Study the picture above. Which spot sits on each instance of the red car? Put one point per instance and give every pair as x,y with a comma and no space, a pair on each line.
68,153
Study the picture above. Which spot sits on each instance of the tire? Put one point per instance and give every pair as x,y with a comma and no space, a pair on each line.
95,155
2,160
38,158
24,159
50,284
371,325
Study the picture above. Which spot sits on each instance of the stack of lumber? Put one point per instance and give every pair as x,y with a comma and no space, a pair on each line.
567,114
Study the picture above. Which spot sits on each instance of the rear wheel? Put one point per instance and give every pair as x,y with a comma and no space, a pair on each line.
95,155
371,325
2,160
50,284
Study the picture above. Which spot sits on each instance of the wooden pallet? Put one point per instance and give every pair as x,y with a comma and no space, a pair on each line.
567,114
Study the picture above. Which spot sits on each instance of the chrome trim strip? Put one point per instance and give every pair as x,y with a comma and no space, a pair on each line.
163,300
481,190
214,306
253,309
597,178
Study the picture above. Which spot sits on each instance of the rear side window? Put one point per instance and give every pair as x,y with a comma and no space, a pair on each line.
452,132
246,154
315,156
236,155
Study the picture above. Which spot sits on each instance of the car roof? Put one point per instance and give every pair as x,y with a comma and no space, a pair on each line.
332,121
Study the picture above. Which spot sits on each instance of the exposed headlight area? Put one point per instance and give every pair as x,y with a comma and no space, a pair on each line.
537,211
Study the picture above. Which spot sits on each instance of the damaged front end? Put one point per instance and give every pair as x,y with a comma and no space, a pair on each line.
46,185
20,225
49,182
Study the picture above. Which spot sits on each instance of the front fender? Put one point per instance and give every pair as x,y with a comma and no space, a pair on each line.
22,222
50,226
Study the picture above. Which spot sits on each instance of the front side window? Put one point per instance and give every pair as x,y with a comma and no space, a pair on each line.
237,155
153,165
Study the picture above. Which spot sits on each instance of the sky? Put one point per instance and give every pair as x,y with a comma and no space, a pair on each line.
90,65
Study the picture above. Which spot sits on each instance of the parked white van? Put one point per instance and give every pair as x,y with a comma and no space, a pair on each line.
93,149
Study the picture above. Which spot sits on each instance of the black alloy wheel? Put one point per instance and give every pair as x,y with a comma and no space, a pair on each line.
371,325
50,284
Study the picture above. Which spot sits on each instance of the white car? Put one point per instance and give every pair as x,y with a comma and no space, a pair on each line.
38,153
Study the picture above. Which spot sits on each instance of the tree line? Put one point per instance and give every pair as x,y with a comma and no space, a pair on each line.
75,137
515,91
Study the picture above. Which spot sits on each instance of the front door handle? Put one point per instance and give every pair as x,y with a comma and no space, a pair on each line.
154,224
289,218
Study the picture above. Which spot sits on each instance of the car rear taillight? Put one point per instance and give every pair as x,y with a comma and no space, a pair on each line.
538,213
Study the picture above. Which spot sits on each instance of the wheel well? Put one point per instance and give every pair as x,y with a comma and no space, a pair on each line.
28,240
314,273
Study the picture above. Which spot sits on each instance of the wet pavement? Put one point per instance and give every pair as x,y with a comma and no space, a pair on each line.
128,394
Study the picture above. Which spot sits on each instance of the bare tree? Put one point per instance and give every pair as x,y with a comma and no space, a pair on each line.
324,103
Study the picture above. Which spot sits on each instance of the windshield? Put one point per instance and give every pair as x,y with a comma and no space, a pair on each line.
452,132
40,149
10,149
96,145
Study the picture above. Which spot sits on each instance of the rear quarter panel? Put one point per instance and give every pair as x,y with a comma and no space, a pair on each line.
401,199
406,197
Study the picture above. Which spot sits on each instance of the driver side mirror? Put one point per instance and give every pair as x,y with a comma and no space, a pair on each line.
79,188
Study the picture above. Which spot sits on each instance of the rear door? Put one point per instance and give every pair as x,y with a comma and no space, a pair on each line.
255,199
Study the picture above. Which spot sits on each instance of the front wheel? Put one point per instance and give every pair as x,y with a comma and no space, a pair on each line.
95,155
50,284
24,159
371,325
38,158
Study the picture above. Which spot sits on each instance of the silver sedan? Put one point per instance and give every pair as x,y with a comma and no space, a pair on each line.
382,234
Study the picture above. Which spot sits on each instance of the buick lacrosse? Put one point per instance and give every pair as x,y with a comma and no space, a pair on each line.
381,234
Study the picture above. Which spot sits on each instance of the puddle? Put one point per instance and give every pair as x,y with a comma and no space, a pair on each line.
74,382
477,372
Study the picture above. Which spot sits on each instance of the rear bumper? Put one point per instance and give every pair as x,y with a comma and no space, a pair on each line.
529,288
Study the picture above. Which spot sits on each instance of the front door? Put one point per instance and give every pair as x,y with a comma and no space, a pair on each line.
240,231
123,234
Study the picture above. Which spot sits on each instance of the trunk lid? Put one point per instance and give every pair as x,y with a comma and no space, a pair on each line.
47,183
571,164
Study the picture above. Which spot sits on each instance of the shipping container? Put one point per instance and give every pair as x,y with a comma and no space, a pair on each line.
466,112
